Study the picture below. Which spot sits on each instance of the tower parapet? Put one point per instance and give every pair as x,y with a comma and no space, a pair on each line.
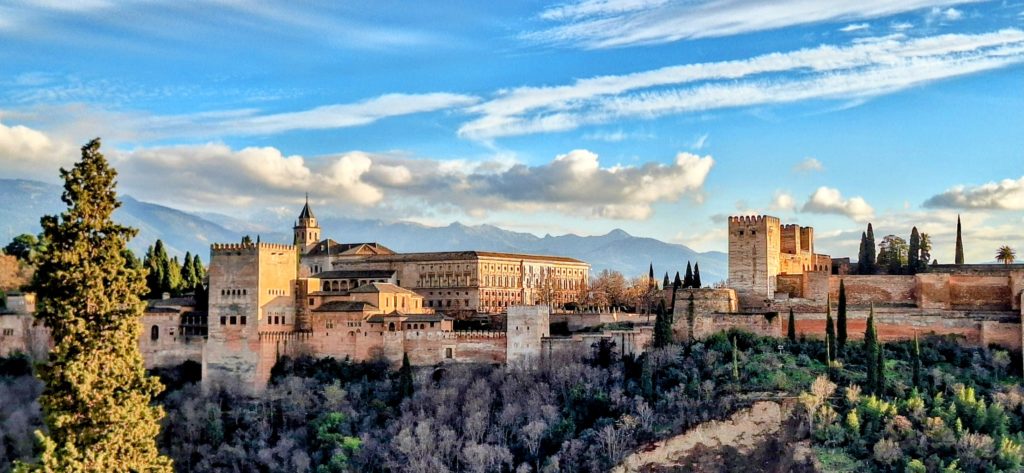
754,252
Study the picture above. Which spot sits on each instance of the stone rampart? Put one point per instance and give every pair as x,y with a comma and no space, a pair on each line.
977,329
879,290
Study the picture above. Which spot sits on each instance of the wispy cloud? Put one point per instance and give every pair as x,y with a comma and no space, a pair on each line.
596,24
865,69
854,27
809,165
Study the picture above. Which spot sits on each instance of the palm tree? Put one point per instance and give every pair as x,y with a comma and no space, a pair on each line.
1006,255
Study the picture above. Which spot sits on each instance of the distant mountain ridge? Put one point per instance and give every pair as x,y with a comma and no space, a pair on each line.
23,202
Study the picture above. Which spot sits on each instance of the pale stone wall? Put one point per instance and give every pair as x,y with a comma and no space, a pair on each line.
627,342
526,326
168,347
766,325
895,324
20,334
754,247
877,289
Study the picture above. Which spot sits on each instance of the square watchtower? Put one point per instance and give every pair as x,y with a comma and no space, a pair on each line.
754,253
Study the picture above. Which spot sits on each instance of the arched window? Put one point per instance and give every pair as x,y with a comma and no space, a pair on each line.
154,333
391,327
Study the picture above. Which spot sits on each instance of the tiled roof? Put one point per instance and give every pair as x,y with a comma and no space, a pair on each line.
356,274
378,287
467,255
345,306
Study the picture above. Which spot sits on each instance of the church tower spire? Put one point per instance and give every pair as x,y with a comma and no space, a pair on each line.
307,231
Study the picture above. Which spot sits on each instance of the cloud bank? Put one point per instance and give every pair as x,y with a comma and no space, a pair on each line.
1007,194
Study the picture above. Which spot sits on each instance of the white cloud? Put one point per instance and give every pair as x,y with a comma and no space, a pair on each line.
701,141
809,165
854,27
26,152
858,71
609,23
783,202
1007,194
827,200
902,26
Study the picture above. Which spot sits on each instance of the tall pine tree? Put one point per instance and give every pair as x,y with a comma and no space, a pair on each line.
870,248
862,254
959,243
841,334
688,279
188,274
830,331
871,352
791,330
405,383
696,276
97,399
666,282
662,326
914,253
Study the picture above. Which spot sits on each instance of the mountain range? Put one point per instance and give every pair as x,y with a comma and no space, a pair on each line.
23,202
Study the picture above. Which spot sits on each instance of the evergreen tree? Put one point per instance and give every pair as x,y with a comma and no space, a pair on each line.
646,377
791,330
188,274
735,361
154,271
662,326
880,370
916,368
914,254
405,384
688,279
871,352
650,273
830,331
677,283
696,276
862,254
869,246
198,268
959,243
666,282
97,396
841,334
247,240
172,276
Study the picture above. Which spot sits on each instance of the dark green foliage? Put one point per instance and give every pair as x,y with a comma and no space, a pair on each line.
16,365
247,240
665,283
696,276
959,259
914,254
880,371
97,396
871,249
830,332
915,380
405,381
688,279
677,283
604,353
662,326
25,247
791,329
841,334
871,353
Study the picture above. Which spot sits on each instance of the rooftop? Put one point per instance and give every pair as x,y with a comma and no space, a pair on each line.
469,255
345,306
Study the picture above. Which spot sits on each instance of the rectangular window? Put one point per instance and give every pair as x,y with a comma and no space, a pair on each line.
448,353
234,320
223,320
243,320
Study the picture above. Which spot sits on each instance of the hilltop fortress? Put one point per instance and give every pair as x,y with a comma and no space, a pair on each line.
773,268
364,301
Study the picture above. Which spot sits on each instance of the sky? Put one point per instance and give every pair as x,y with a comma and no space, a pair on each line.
658,117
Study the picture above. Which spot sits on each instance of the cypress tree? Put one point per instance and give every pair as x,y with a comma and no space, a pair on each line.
650,272
405,383
666,282
862,254
959,243
841,334
188,273
880,370
97,397
199,269
916,367
830,331
735,361
646,377
154,272
791,330
871,352
914,254
869,246
688,279
696,276
662,327
677,283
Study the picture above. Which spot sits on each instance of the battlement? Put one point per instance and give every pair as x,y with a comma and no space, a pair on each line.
250,246
753,219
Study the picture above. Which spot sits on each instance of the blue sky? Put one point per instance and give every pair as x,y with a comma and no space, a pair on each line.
654,116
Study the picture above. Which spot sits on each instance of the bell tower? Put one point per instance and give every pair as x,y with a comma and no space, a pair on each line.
307,232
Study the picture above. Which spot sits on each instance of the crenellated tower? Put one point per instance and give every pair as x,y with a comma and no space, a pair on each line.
307,231
754,254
